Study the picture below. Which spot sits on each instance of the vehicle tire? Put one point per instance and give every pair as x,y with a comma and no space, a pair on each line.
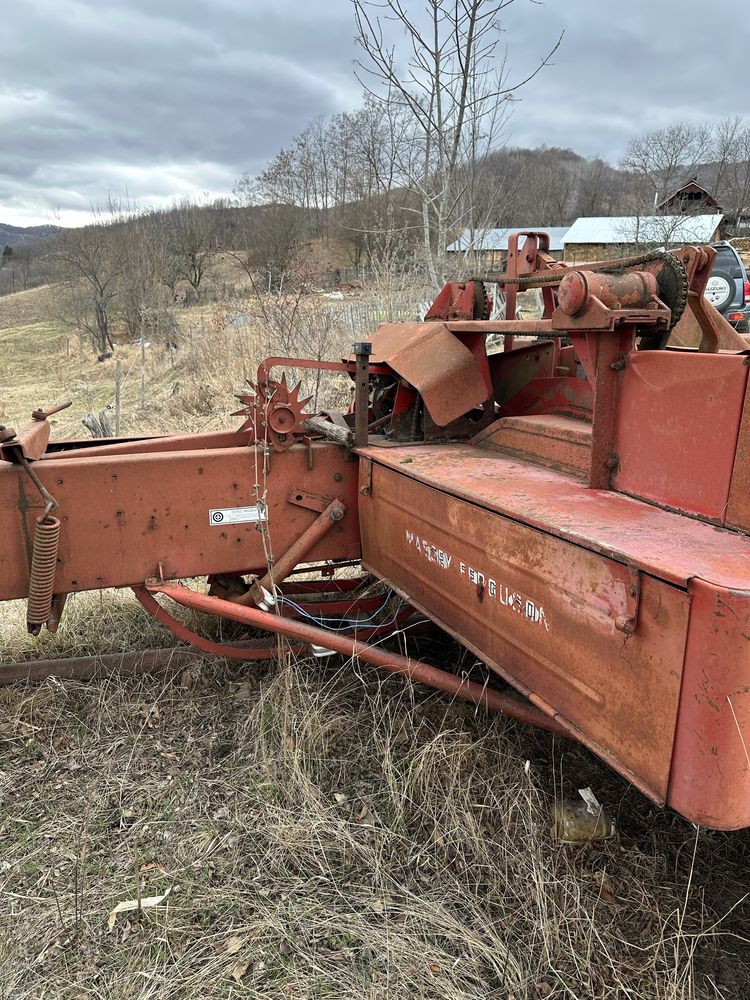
720,290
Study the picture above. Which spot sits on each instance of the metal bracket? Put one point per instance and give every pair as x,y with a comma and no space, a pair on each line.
628,622
365,477
41,414
310,501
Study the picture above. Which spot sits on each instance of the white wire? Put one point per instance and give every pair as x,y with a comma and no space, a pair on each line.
342,627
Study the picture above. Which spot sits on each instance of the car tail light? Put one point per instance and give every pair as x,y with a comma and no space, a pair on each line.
746,287
735,317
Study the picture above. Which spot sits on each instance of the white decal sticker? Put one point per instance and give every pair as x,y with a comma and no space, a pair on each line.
236,515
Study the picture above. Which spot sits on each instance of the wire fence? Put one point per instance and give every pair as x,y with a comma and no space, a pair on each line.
364,318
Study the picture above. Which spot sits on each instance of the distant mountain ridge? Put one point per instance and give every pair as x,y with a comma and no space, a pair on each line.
14,236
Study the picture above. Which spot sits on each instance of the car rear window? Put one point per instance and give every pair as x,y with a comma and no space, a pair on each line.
727,262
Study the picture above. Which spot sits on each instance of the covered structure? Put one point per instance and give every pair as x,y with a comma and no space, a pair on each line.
691,197
605,237
490,246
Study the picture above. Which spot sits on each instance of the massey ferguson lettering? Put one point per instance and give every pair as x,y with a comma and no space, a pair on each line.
430,552
505,596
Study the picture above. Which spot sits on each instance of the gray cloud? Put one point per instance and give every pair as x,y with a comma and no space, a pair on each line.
167,98
624,68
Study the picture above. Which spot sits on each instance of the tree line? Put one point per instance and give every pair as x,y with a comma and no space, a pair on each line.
387,186
337,185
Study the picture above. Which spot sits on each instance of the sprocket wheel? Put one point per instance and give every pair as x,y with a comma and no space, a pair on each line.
274,412
482,302
672,287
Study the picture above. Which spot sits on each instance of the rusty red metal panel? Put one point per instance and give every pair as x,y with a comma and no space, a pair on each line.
31,442
710,780
677,423
738,506
572,397
444,370
512,370
544,613
123,516
661,543
88,447
460,300
555,442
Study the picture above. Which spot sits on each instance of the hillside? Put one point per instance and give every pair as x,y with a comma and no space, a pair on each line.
13,236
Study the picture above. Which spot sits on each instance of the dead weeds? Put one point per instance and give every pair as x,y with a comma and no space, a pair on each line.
323,832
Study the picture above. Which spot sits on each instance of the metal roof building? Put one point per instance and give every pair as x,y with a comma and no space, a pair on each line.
627,229
497,239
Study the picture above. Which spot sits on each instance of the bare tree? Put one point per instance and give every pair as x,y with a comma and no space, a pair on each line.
733,167
24,261
666,157
269,235
449,103
193,235
144,298
92,260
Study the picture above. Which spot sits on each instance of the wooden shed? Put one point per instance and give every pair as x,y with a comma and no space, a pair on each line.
691,197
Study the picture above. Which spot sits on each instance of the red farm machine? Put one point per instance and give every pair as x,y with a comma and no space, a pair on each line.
573,508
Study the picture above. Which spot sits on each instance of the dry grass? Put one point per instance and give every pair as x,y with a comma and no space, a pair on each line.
328,833
43,361
28,308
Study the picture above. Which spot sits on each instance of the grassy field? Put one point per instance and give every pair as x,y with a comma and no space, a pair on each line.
324,832
313,830
190,389
43,361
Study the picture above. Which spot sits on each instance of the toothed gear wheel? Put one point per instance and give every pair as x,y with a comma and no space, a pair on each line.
672,288
482,302
274,412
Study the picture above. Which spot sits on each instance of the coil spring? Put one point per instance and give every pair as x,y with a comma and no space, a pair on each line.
43,566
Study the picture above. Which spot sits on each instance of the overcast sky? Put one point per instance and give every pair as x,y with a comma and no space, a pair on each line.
172,98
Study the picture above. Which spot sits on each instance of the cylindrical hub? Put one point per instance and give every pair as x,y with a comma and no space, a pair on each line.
631,290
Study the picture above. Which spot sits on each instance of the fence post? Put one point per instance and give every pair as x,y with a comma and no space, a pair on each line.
118,375
143,371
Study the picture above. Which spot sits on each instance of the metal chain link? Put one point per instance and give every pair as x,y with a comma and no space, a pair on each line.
617,266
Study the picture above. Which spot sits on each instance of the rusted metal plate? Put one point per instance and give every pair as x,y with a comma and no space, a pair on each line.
31,442
676,429
738,506
124,515
513,370
431,358
710,782
543,612
75,449
572,397
661,543
555,442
